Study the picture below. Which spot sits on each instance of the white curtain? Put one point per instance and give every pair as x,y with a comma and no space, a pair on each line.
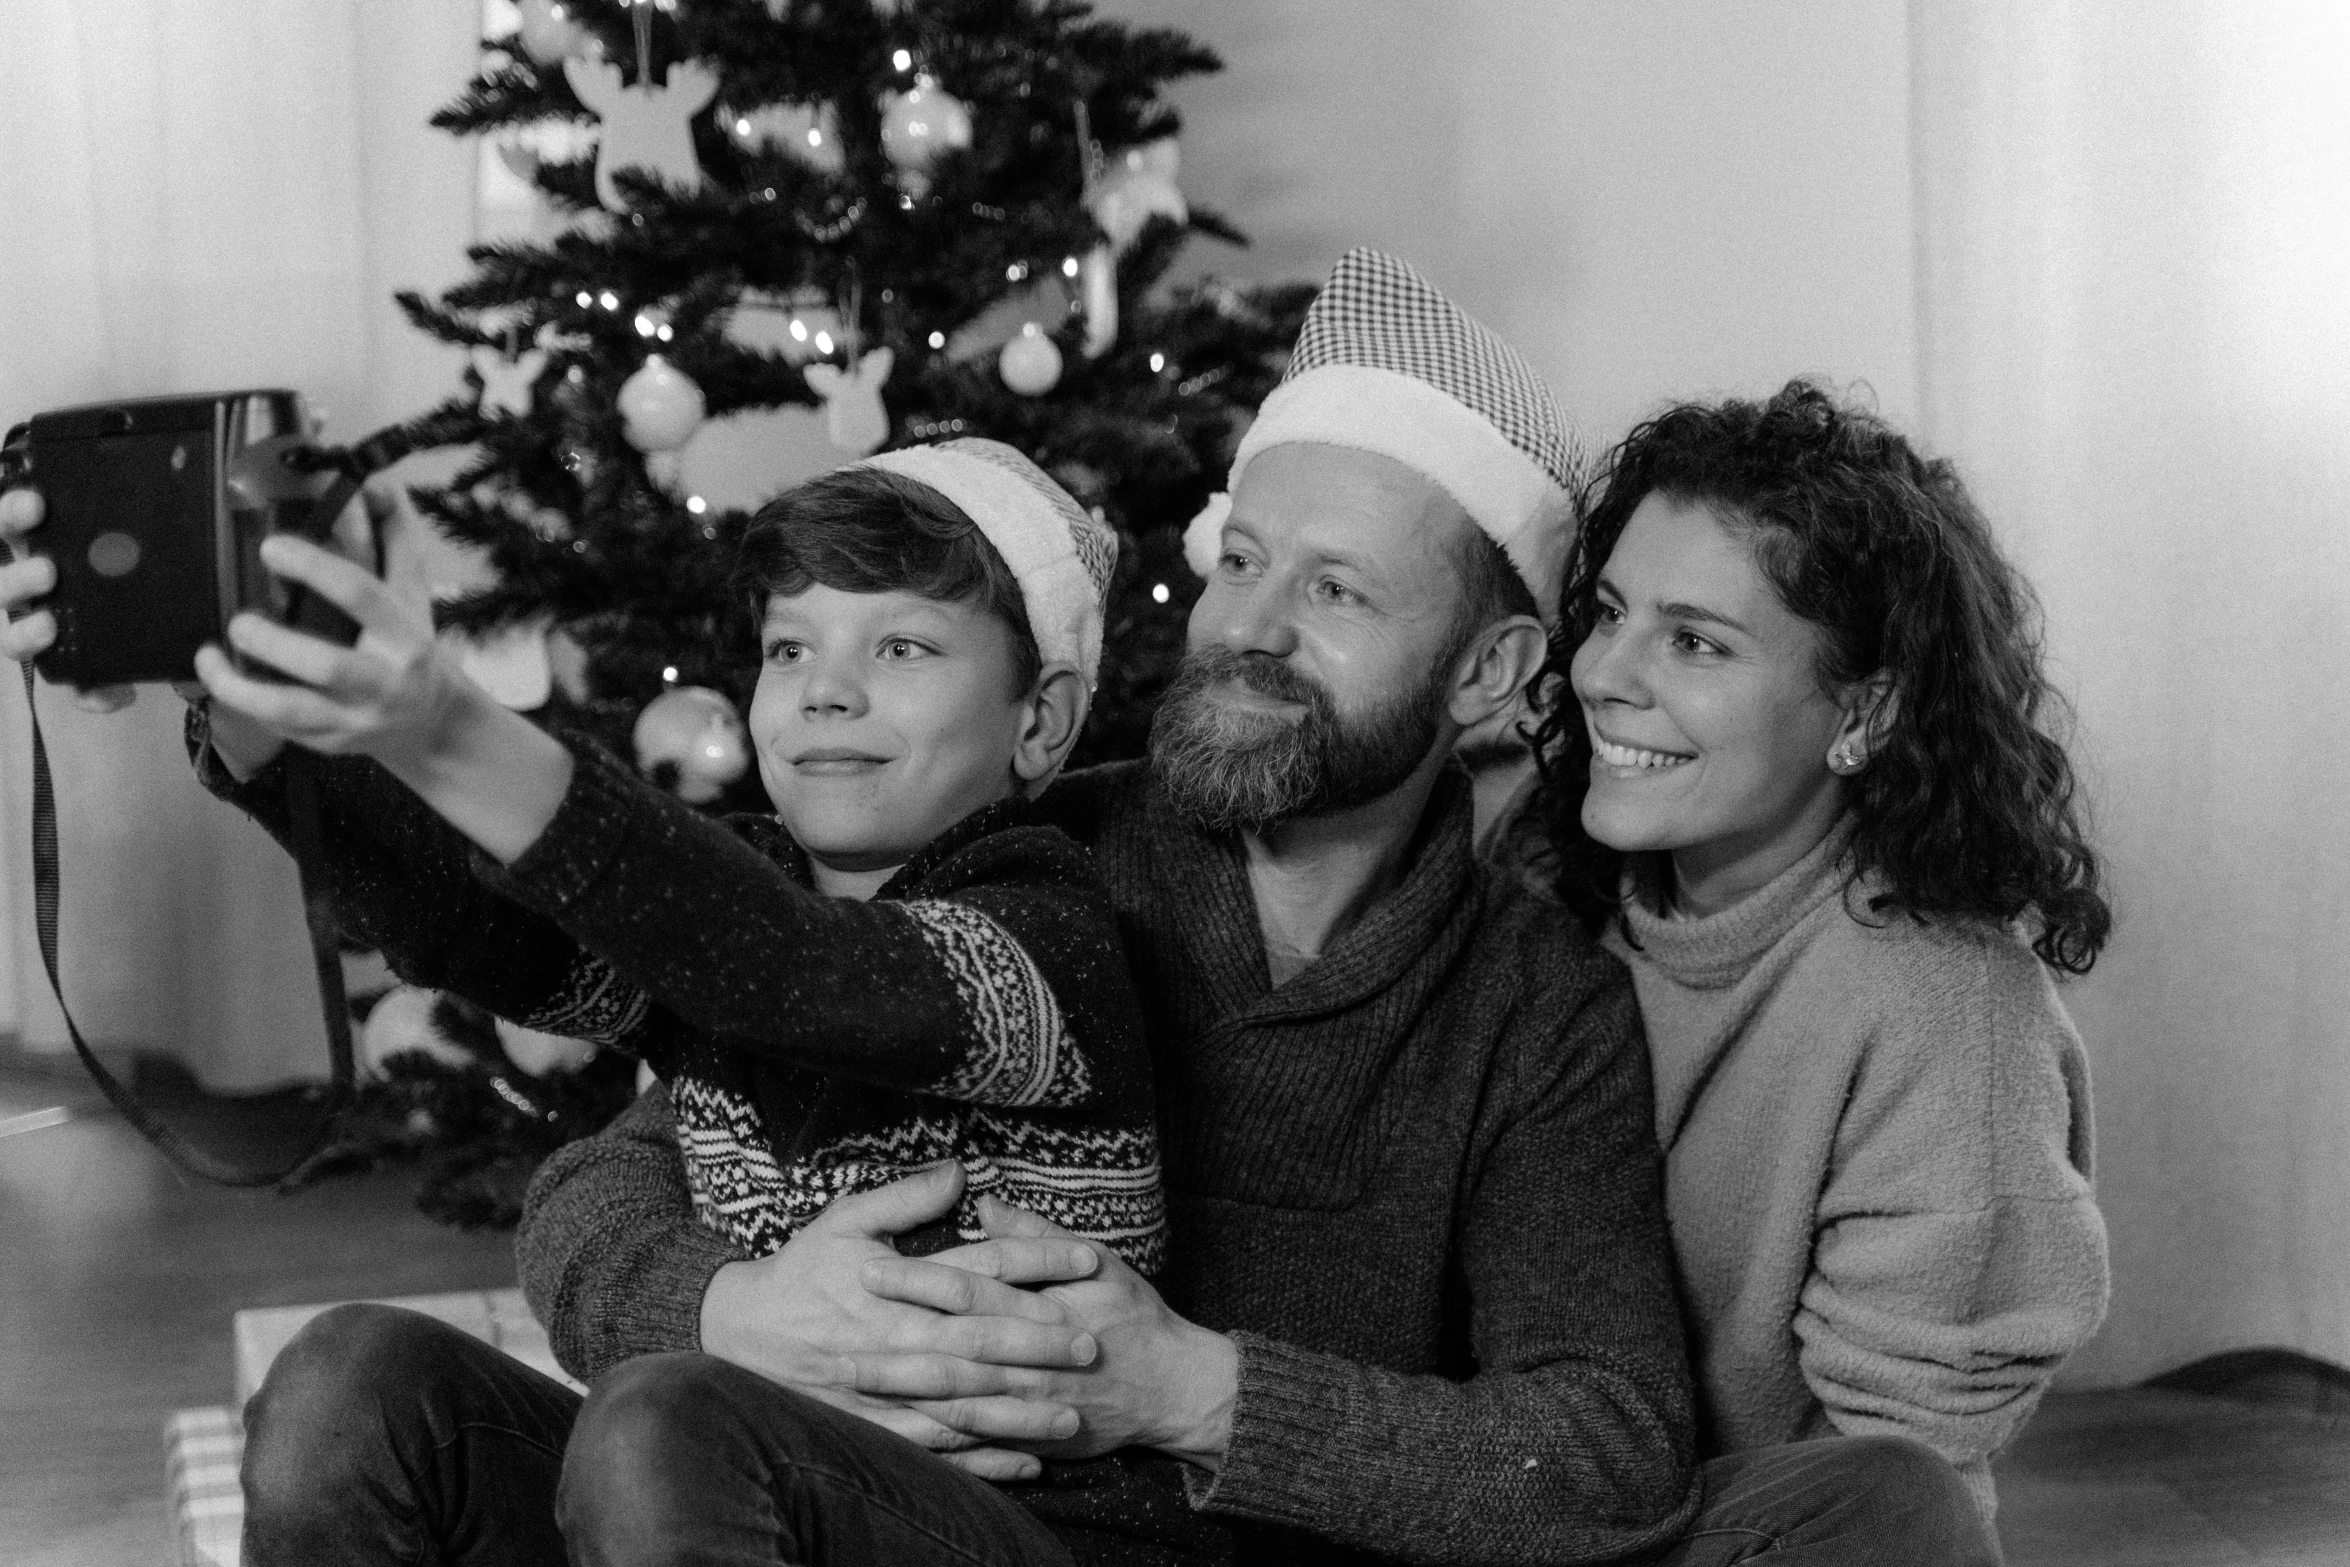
2134,270
195,195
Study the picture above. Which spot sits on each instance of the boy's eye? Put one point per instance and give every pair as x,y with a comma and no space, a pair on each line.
783,650
901,648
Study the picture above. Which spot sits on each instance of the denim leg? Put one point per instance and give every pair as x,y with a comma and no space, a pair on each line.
687,1459
1846,1501
384,1436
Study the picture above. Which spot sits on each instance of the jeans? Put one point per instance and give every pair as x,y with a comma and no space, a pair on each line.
382,1436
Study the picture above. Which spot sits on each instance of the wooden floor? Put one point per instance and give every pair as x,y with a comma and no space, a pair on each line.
116,1285
117,1281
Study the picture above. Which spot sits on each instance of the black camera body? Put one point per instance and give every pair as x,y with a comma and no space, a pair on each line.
156,509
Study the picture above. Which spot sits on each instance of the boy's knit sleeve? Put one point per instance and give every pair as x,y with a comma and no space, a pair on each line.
611,1256
1960,1254
1573,1440
983,997
402,882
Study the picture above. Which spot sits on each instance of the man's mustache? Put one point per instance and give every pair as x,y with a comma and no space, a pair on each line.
1259,672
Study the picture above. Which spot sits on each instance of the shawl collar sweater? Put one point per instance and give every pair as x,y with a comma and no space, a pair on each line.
1877,1142
1417,1185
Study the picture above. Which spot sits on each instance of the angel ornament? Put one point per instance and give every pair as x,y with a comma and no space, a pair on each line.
853,414
644,127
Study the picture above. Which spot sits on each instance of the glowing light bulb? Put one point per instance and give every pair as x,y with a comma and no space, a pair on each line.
666,333
696,505
585,299
669,674
742,127
903,59
644,325
1159,593
815,137
938,340
1158,363
824,342
609,300
1068,266
1016,271
799,330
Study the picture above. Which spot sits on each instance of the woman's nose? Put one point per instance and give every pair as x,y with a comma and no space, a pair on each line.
1607,669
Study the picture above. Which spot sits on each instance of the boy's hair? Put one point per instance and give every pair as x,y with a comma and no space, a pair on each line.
1968,806
862,530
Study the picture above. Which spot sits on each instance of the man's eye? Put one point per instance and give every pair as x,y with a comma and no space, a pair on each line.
1234,564
1336,592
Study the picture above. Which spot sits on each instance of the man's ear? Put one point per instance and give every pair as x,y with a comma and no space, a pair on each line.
1495,668
1053,717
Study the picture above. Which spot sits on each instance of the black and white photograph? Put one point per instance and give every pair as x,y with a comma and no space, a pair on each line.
1175,783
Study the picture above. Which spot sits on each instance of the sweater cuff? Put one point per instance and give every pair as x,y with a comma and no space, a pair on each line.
582,841
1286,1422
662,1286
269,784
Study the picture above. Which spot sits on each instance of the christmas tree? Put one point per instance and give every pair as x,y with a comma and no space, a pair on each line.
946,217
924,220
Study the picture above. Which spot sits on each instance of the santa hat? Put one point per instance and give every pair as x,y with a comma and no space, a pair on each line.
1386,364
1061,554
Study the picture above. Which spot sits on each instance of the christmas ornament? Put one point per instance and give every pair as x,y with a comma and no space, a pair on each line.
644,127
542,1055
549,34
853,409
695,734
660,406
919,124
805,132
404,1021
1097,295
1031,362
506,383
1135,186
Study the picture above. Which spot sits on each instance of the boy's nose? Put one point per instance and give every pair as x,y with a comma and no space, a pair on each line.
832,689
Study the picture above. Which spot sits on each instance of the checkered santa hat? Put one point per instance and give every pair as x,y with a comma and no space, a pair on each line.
1062,555
1386,364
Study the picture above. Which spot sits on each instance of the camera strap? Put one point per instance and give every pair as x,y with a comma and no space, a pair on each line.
301,777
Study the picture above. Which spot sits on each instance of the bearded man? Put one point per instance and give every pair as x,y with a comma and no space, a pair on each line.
1419,1306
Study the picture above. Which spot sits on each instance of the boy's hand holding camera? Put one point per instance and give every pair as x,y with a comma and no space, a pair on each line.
397,695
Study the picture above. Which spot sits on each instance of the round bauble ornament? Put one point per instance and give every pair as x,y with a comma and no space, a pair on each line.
550,34
542,1055
660,406
1030,362
690,740
405,1021
919,124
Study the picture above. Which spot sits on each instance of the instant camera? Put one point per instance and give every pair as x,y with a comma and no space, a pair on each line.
156,512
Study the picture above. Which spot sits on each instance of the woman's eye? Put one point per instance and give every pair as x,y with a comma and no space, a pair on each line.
1691,642
1611,614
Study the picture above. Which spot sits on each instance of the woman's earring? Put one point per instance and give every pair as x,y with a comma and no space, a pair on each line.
1842,760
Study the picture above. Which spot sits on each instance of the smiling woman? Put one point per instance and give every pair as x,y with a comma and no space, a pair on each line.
1800,783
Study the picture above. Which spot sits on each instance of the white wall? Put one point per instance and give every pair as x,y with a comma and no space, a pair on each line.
1651,198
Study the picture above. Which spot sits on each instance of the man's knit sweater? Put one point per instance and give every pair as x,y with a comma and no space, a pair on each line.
1877,1157
1417,1185
978,1008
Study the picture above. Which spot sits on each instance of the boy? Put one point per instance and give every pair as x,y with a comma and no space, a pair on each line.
895,969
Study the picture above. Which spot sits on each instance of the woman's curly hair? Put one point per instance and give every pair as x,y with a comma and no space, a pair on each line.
1967,808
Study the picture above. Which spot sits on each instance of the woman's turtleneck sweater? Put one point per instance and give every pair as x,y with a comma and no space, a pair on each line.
1877,1166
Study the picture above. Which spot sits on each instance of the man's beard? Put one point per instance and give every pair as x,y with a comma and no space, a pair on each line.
1226,769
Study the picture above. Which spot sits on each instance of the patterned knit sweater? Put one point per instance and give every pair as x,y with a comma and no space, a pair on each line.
978,1008
1416,1184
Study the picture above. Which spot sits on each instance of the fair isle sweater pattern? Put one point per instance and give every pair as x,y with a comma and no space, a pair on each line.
977,1008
